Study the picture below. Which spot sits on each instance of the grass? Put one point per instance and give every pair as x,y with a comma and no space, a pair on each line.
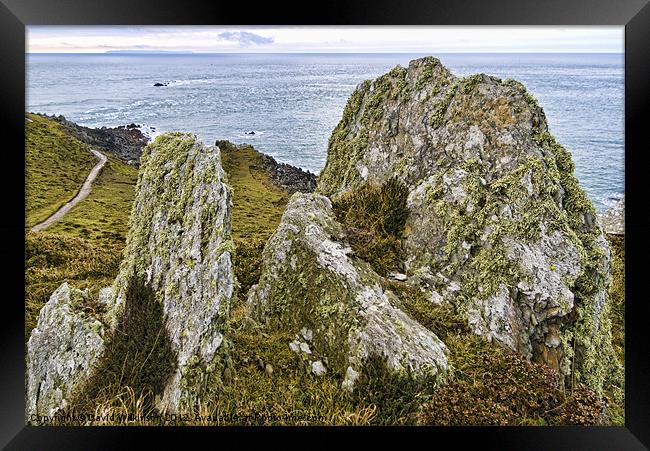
258,205
139,355
252,395
51,259
374,216
56,166
85,247
103,216
269,384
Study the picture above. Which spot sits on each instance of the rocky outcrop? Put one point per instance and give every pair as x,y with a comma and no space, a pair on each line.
613,220
498,225
333,302
125,142
64,347
290,178
179,243
178,254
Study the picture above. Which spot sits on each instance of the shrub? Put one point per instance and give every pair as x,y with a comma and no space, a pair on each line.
491,385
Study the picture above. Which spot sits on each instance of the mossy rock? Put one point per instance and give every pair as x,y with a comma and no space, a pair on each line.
312,287
497,224
62,351
179,244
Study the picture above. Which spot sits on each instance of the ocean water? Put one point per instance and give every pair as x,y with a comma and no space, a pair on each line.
293,101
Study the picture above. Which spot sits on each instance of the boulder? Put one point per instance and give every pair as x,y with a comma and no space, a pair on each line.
333,302
498,225
613,220
178,256
64,347
179,244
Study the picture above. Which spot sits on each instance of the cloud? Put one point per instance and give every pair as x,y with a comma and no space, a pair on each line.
244,38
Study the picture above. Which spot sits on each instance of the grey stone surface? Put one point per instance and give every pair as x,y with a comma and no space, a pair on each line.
613,220
179,243
62,350
498,225
309,282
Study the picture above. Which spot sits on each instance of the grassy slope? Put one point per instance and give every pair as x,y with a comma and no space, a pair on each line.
85,246
103,216
56,167
258,205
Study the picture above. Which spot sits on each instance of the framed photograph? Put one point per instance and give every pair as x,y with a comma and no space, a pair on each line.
407,216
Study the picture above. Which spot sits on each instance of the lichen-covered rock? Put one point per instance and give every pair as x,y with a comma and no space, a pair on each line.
498,224
311,286
62,349
613,221
179,244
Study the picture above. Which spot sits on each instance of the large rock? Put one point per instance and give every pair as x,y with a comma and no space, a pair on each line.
312,287
179,243
613,220
64,347
178,249
498,225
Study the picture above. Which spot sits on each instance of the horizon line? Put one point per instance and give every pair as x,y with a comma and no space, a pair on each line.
177,53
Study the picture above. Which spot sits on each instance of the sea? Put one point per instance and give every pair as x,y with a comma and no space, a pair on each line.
292,102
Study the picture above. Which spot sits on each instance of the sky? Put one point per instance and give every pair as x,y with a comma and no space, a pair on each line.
325,39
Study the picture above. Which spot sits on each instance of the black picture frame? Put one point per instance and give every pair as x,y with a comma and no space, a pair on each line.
633,14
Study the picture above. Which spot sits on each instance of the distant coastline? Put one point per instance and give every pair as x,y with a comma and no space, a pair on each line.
147,52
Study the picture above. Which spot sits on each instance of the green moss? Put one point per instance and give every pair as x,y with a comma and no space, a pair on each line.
437,117
374,217
56,165
466,221
596,364
468,84
342,151
617,295
521,89
365,106
427,73
167,175
309,297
